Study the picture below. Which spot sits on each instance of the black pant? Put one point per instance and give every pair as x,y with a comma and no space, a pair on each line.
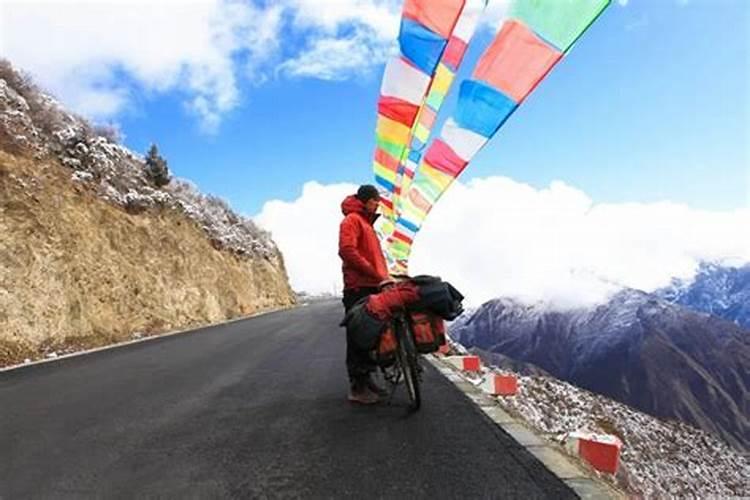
358,363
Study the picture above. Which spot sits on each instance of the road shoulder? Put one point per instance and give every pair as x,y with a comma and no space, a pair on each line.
552,456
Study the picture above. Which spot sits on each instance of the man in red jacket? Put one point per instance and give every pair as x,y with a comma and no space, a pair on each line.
365,271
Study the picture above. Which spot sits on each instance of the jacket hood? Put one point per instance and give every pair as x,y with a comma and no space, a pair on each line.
353,205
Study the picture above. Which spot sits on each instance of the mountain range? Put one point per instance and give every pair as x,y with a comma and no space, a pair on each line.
723,291
646,350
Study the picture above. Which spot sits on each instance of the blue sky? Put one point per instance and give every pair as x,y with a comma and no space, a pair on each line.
652,104
251,101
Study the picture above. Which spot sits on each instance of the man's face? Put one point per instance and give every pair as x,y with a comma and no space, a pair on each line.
371,205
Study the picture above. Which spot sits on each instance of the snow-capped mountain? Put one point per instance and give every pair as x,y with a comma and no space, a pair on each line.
723,291
656,356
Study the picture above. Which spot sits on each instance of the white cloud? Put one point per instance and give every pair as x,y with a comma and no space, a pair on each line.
306,230
623,3
94,55
331,58
497,237
98,56
381,16
351,36
348,37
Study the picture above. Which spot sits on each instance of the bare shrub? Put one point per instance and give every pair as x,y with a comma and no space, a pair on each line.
43,114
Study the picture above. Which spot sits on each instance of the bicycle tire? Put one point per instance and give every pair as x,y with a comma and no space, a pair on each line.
407,355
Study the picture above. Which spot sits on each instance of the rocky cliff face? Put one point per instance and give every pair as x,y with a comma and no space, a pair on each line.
91,254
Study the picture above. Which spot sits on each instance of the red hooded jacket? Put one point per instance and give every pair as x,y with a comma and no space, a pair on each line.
359,248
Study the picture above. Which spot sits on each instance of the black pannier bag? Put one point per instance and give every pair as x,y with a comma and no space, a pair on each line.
368,333
362,328
439,297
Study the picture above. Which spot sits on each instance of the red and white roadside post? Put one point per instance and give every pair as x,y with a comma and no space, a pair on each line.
601,451
465,363
500,384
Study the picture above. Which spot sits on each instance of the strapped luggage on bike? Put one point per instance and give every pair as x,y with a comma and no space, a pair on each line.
429,335
426,300
401,322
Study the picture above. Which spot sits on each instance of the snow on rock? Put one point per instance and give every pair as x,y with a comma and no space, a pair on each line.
35,123
81,176
15,120
717,288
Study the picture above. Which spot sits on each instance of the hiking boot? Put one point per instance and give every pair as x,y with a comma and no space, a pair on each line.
375,387
362,395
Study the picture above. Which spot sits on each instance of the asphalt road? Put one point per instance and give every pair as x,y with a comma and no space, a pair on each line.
251,409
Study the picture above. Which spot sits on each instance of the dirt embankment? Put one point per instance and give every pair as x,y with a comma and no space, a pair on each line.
77,272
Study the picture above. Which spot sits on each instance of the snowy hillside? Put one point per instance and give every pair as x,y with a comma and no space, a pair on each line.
99,245
33,123
659,458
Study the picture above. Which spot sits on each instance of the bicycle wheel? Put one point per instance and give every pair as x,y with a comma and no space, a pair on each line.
407,358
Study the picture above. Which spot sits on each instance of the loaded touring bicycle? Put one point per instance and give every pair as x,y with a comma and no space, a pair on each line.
402,322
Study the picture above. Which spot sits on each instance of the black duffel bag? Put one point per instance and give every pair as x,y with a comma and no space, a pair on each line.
439,297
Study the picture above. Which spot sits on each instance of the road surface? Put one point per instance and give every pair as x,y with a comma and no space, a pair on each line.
250,409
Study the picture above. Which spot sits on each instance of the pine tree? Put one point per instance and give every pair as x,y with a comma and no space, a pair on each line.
156,168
